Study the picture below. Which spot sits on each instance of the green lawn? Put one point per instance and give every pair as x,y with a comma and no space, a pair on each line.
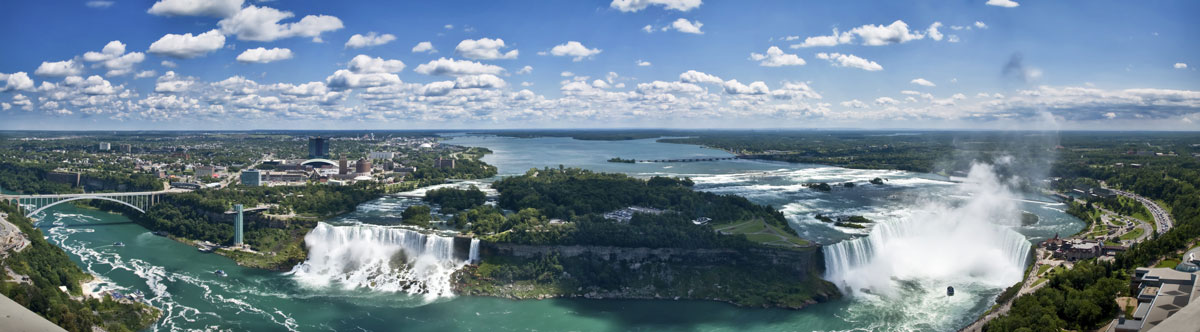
1135,233
1168,263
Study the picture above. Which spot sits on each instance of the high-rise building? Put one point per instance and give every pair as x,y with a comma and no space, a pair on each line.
252,177
125,148
104,146
318,147
205,171
362,166
343,167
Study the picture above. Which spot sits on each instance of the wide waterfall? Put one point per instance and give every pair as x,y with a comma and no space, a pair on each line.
379,258
969,242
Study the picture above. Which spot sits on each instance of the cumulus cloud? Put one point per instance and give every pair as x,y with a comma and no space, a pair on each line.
255,23
1003,3
849,60
854,103
933,31
168,64
980,25
776,58
114,58
424,47
574,49
483,81
186,46
16,81
629,6
922,82
525,70
1180,65
365,64
692,76
263,55
795,90
173,83
484,49
370,39
734,87
213,8
685,26
451,67
59,68
642,63
886,101
874,35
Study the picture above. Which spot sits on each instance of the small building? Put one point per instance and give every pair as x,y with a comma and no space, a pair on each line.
381,155
362,166
205,171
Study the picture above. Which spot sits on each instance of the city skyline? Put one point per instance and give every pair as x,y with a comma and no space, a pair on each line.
238,65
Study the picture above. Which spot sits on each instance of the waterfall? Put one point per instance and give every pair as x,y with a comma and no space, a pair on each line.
378,258
473,258
970,242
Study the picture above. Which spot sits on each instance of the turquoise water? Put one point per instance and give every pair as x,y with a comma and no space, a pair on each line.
180,280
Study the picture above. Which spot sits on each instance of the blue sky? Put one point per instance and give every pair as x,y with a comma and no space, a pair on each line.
196,64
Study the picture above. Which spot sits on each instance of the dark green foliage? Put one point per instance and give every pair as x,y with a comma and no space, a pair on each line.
418,215
619,160
820,186
876,181
452,200
1081,298
580,197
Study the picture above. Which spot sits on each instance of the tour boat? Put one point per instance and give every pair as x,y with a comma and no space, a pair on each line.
950,291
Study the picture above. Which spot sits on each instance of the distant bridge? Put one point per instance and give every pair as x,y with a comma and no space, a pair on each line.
30,205
687,160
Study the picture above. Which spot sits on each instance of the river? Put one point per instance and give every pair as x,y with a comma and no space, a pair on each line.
180,280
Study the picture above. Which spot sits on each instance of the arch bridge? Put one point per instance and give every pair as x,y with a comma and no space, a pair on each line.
30,205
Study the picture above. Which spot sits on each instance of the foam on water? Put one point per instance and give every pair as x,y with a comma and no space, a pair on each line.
379,258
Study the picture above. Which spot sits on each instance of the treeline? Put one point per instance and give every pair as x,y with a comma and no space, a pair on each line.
31,178
566,206
452,200
48,268
1082,298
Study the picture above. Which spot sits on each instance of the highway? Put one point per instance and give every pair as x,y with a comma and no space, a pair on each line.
1161,217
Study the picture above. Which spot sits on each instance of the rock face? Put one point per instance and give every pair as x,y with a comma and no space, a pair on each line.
761,277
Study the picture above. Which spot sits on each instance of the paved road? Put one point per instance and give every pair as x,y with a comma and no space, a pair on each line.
1161,217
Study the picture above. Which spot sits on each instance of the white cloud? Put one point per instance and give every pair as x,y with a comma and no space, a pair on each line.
566,74
424,47
186,46
922,82
643,63
734,87
933,31
776,58
1003,3
114,58
877,35
525,70
99,4
451,67
16,81
172,83
262,24
980,25
168,64
886,101
263,55
365,64
60,68
484,49
484,81
574,49
448,26
692,76
795,90
629,6
685,26
1180,65
343,79
145,74
213,8
849,60
854,103
830,40
370,39
648,28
